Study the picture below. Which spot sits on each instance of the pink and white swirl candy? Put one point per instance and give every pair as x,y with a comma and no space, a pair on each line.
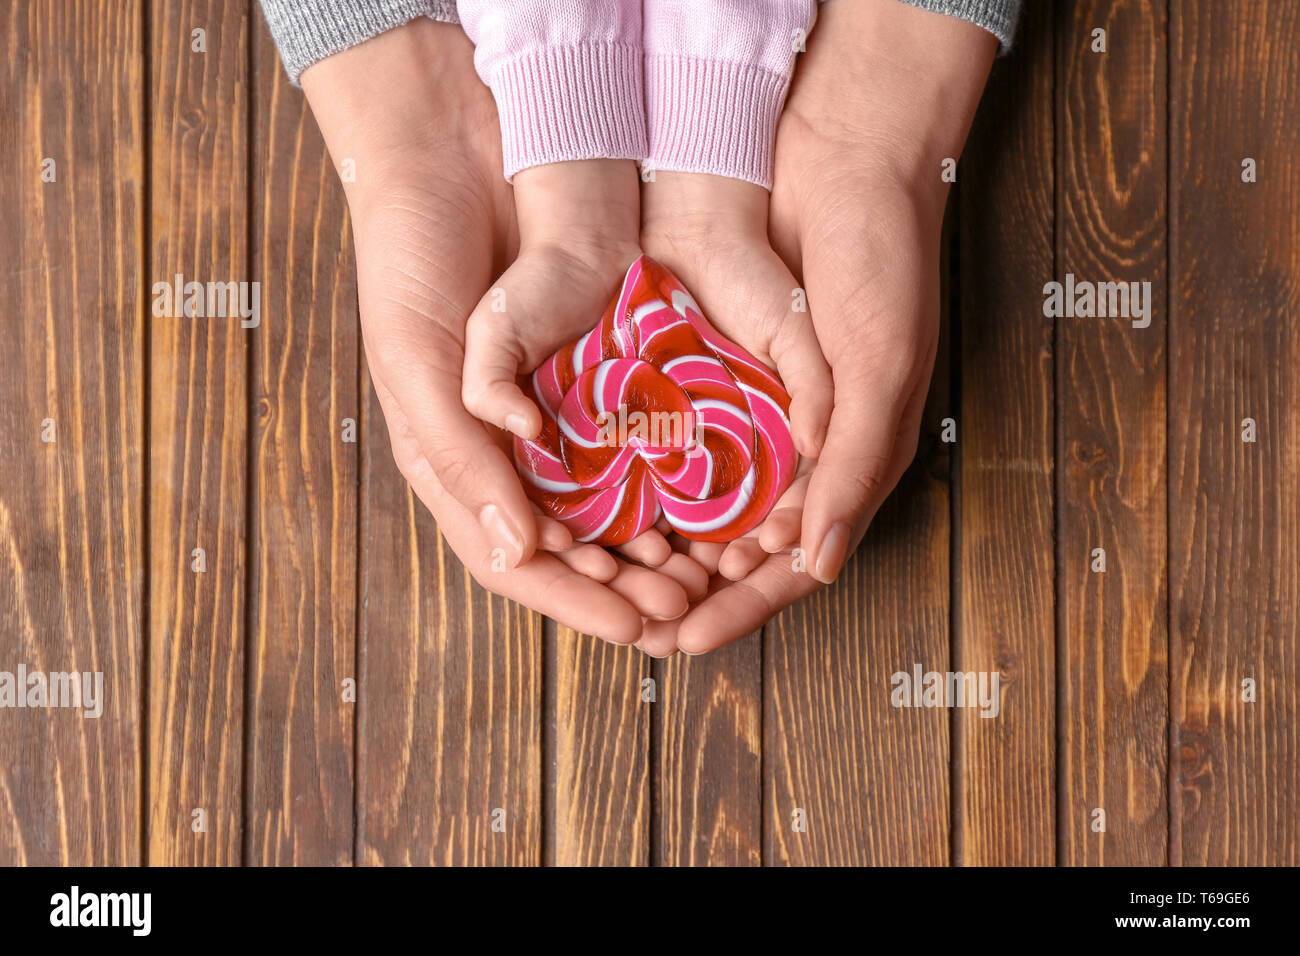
654,412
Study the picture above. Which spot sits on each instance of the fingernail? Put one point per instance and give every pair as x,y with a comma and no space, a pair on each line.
519,425
501,531
830,556
667,617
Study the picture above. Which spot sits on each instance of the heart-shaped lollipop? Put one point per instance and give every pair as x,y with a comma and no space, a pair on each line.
654,412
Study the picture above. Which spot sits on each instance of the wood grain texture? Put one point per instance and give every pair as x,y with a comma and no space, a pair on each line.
450,709
1111,225
707,748
71,548
1004,793
871,779
303,498
599,756
1234,513
197,434
1121,690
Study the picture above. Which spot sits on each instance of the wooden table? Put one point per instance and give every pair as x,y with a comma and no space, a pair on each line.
1122,690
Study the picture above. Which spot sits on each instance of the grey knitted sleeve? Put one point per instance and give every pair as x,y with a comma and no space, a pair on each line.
309,30
997,16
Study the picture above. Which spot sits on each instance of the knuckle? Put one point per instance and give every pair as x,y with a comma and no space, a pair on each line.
866,482
454,468
473,396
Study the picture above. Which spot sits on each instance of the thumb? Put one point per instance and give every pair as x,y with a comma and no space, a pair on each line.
807,377
794,349
859,465
468,464
494,358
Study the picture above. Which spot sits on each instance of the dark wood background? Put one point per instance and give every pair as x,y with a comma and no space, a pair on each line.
224,689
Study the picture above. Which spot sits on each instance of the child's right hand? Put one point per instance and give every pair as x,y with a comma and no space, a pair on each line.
578,232
579,229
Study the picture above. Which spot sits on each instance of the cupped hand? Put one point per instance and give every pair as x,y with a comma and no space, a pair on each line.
433,222
885,93
711,232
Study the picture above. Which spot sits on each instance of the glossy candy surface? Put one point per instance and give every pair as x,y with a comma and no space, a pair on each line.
654,412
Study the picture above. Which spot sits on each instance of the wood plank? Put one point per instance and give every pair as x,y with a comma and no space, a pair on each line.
197,434
1234,513
450,710
872,780
599,771
1004,787
71,517
707,757
303,498
1111,224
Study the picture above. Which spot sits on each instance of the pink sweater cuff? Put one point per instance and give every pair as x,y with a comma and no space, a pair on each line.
570,102
712,116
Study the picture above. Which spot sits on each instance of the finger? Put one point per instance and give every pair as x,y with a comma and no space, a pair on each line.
794,349
780,529
706,554
655,595
551,534
849,480
494,358
544,584
688,573
734,610
592,560
807,377
650,548
659,639
741,557
468,465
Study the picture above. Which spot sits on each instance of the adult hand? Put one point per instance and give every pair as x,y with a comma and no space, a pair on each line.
434,222
884,94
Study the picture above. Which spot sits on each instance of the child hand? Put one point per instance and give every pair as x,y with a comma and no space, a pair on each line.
578,224
712,232
578,233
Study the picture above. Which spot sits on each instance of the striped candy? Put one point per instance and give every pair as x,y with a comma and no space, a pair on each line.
653,412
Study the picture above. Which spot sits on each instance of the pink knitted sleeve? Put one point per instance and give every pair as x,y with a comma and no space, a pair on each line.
566,74
716,78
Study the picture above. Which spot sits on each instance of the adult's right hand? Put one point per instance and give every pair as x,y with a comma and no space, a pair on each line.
433,222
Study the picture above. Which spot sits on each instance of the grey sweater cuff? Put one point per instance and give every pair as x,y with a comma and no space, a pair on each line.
309,30
997,16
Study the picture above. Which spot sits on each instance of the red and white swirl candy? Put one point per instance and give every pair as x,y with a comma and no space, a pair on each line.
654,412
